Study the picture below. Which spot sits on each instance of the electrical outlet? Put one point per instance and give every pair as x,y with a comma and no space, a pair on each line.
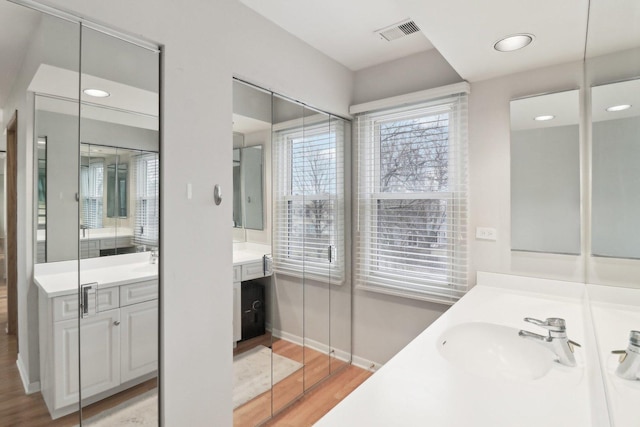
486,233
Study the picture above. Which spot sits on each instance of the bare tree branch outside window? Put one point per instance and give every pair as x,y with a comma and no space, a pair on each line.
413,158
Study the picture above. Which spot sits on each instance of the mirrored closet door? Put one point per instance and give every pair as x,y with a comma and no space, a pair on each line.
96,196
306,288
119,227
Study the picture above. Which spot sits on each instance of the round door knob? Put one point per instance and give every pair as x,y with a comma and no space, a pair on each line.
117,322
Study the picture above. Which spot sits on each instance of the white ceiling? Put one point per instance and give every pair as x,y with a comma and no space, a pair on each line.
344,29
127,105
463,31
243,124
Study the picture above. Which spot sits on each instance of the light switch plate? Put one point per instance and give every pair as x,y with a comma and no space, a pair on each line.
486,233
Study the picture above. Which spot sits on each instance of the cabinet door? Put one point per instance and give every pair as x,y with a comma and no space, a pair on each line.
237,314
100,356
139,339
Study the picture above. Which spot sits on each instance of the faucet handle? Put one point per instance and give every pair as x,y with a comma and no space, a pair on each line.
553,324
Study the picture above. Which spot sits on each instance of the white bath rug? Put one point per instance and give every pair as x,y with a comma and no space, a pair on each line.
140,411
252,373
251,377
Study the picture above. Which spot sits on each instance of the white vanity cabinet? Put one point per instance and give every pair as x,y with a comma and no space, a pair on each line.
100,355
118,344
248,265
237,315
138,322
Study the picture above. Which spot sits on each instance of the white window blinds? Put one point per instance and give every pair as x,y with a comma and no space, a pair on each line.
91,189
412,200
146,172
309,198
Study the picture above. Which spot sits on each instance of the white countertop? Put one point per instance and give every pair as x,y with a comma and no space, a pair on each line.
419,386
62,278
616,313
245,252
94,234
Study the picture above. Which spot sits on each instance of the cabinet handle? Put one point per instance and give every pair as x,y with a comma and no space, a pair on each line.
117,322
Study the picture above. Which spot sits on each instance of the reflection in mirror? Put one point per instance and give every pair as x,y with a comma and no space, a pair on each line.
615,130
308,297
248,191
102,234
119,216
288,289
314,178
41,205
237,189
117,189
612,55
56,129
251,128
255,366
545,173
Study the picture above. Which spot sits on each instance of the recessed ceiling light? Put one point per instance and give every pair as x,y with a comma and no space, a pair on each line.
544,118
513,42
98,93
619,107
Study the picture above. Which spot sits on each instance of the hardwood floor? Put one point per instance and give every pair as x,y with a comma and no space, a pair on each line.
317,402
313,405
18,409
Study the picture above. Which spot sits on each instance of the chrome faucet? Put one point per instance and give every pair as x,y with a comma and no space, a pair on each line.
154,255
629,367
557,340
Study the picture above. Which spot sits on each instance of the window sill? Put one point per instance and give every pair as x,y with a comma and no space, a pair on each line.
443,300
338,280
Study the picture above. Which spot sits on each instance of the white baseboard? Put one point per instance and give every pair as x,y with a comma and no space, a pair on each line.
363,363
312,344
29,388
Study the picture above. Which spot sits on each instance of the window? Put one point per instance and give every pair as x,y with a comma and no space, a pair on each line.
147,208
309,199
411,231
91,181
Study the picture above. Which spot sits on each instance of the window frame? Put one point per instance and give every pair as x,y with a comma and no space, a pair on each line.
147,199
316,268
368,275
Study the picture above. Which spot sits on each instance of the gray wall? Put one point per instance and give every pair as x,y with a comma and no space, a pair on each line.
61,131
206,44
384,324
616,188
545,189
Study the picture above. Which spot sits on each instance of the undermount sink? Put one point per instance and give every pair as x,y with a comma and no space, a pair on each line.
494,351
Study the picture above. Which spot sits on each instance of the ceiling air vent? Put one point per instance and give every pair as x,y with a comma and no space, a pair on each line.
398,30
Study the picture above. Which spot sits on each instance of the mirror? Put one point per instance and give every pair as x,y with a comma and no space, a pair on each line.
256,365
545,173
612,82
248,192
41,200
308,297
117,189
119,218
615,132
94,184
108,185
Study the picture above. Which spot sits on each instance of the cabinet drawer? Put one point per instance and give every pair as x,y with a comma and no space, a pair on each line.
66,307
89,244
112,243
138,292
252,271
237,274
